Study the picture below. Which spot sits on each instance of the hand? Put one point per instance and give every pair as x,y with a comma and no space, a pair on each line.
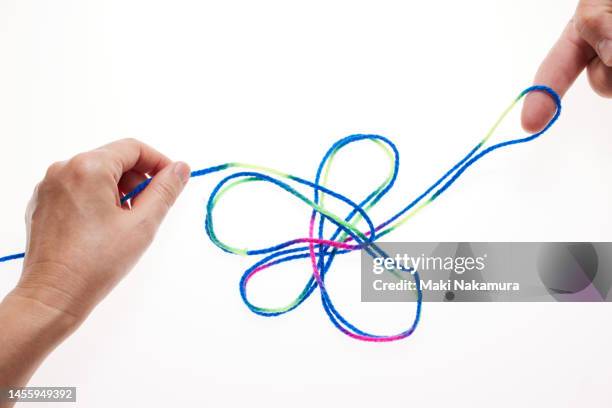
81,240
585,42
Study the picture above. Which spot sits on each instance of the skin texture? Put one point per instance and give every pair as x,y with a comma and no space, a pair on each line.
586,42
81,243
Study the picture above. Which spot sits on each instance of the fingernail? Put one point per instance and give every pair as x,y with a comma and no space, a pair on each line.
604,49
182,170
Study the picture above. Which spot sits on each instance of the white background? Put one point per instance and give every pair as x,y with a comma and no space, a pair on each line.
275,83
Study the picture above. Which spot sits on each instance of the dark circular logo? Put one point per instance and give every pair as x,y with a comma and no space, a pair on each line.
567,268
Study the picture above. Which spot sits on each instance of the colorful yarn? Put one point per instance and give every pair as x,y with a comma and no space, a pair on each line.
346,237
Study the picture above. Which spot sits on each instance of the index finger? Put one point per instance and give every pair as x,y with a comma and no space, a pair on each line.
565,61
132,154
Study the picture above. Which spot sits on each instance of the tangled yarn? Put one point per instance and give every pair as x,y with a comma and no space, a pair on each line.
346,237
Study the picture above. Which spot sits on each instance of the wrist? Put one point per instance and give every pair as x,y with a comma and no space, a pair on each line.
29,308
56,290
30,331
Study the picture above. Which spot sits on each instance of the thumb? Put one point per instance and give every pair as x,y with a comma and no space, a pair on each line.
594,23
157,198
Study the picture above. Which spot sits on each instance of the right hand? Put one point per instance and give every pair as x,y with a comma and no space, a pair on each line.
586,42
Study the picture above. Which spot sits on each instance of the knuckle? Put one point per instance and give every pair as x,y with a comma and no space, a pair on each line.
51,182
588,19
44,187
85,165
129,140
54,169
